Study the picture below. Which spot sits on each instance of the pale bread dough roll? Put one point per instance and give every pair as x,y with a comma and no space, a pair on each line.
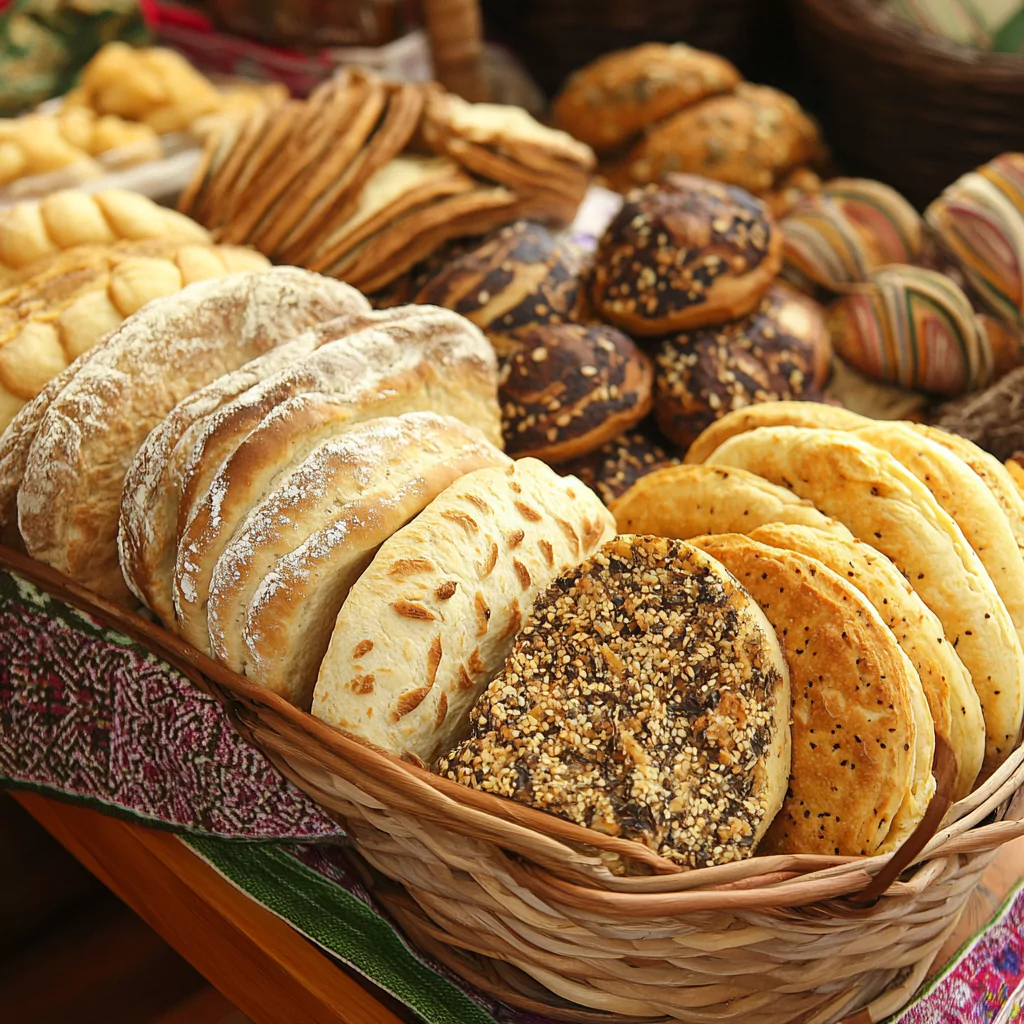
689,501
280,583
886,506
954,706
433,618
861,756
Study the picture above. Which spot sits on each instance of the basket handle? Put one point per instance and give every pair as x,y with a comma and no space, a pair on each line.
455,29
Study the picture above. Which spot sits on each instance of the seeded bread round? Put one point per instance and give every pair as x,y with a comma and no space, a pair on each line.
856,740
566,389
780,352
683,254
648,698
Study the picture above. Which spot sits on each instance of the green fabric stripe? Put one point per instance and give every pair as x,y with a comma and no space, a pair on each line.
342,924
1010,38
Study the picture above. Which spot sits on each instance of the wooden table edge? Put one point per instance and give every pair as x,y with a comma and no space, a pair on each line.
256,960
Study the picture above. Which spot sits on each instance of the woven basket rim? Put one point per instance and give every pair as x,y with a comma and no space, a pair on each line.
887,34
770,882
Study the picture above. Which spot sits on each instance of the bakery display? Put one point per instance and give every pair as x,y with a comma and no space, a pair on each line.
618,96
849,228
86,435
914,328
434,616
566,389
366,178
611,720
979,223
779,352
49,319
683,254
37,229
862,755
612,469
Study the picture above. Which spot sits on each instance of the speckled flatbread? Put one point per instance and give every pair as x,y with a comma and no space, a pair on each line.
886,506
856,739
646,697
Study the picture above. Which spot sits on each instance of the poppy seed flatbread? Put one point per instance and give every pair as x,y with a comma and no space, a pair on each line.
971,505
280,583
688,501
430,622
647,697
855,738
952,702
772,414
886,506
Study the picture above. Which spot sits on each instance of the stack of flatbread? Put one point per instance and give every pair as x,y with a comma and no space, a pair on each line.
366,178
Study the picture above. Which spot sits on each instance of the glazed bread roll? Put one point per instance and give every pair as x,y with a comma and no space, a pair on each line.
886,506
433,618
69,500
48,321
410,359
37,228
280,583
669,728
861,776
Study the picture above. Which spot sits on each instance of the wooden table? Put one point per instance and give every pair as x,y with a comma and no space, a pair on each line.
257,961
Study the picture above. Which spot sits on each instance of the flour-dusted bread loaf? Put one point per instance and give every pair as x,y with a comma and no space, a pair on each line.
147,535
886,506
70,498
647,697
50,319
277,589
433,618
414,358
862,756
36,228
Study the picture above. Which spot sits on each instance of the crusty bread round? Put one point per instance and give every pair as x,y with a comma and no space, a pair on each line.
954,706
857,741
70,497
971,505
688,501
277,589
670,727
886,506
772,414
415,358
685,253
433,618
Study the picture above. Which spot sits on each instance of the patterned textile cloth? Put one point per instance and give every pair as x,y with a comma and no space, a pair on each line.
89,716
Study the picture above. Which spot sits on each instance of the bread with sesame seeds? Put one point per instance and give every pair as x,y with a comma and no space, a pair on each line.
780,352
647,697
687,501
685,253
954,706
886,506
566,389
433,618
861,765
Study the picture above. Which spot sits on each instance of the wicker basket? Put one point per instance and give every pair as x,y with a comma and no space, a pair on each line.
521,904
911,109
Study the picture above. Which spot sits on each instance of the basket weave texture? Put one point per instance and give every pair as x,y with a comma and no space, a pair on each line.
522,904
910,109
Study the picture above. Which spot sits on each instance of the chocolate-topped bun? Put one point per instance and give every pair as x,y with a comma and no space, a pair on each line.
646,697
565,389
779,352
850,228
614,98
614,467
518,275
683,254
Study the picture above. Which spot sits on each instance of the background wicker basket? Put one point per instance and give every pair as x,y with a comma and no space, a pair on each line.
910,109
523,905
